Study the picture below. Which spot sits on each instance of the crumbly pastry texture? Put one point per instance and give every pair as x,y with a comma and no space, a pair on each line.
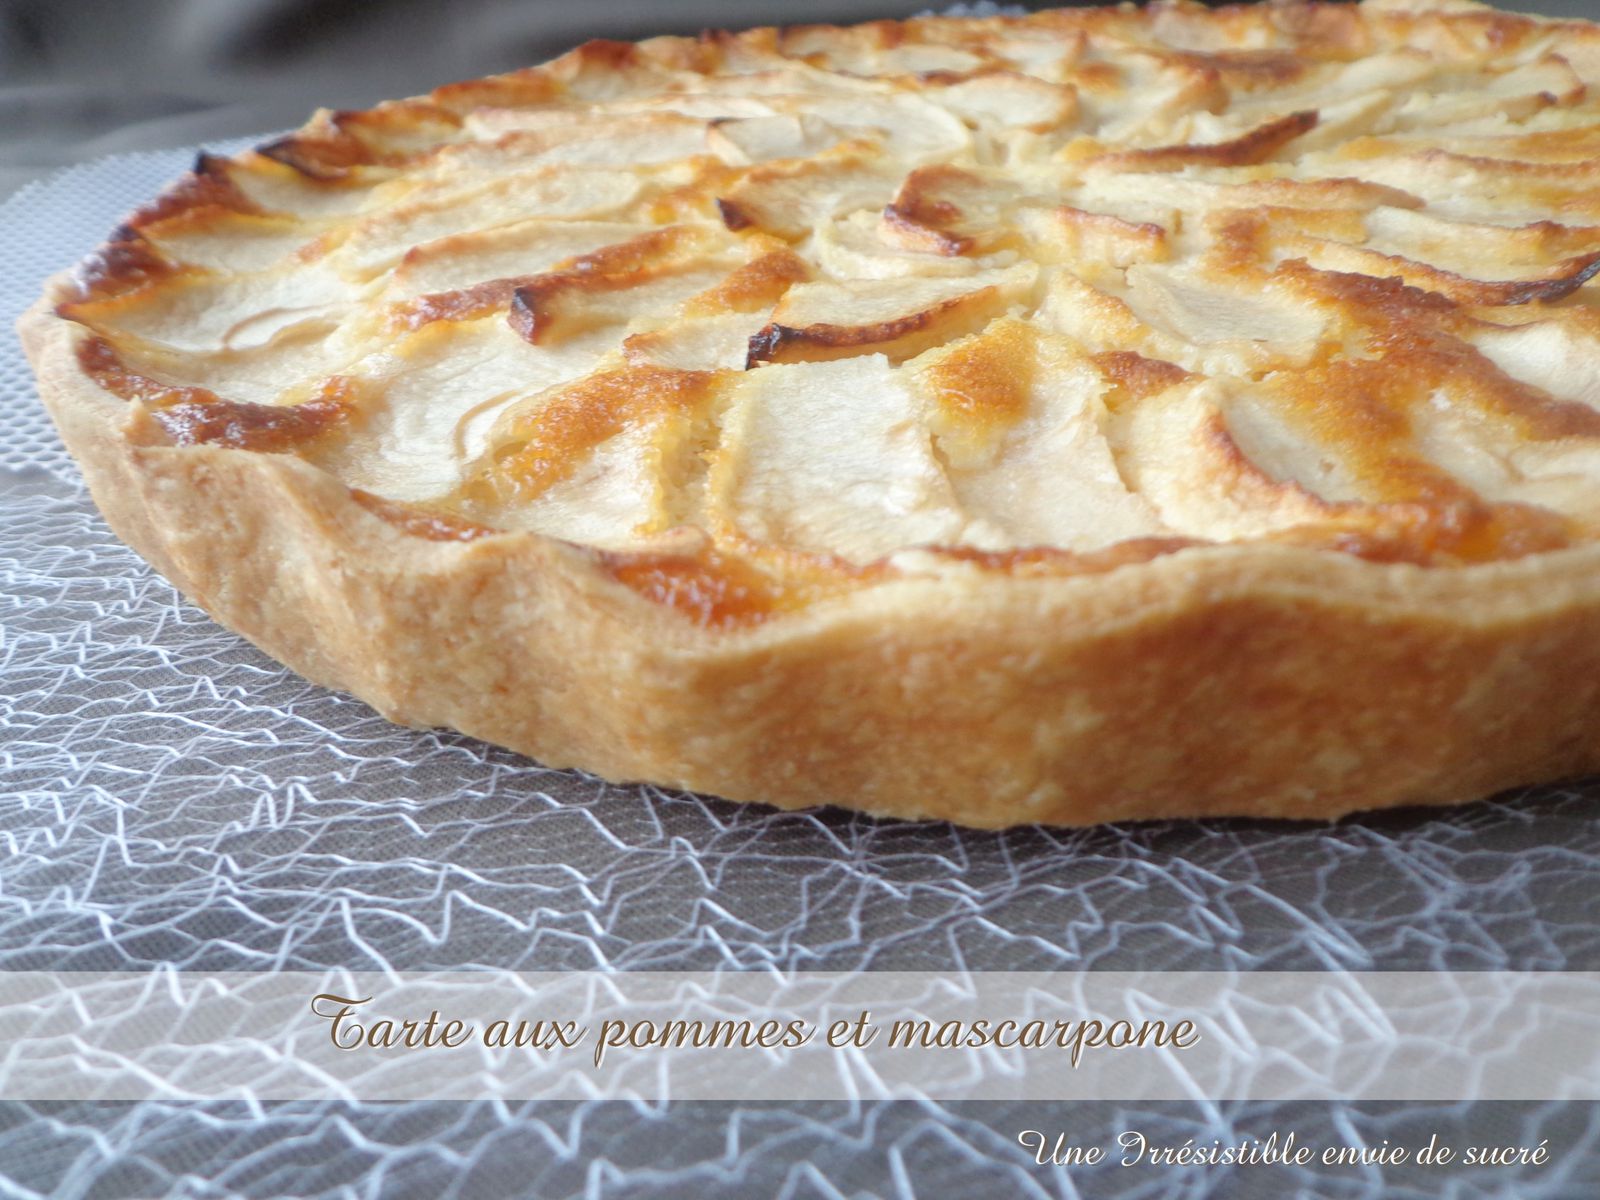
1091,415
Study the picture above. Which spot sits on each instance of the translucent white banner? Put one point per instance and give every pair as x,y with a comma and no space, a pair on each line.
806,1036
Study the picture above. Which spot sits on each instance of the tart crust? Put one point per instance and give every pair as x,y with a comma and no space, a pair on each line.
1229,680
1235,678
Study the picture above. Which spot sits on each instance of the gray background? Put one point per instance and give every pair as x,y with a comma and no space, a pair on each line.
170,796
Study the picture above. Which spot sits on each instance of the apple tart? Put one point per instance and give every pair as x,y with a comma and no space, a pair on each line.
1092,415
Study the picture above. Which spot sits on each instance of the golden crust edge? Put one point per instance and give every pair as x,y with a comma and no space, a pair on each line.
1244,680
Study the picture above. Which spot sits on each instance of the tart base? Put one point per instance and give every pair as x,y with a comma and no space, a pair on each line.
1229,680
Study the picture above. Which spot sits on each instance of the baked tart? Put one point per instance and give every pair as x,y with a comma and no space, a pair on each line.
1090,415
